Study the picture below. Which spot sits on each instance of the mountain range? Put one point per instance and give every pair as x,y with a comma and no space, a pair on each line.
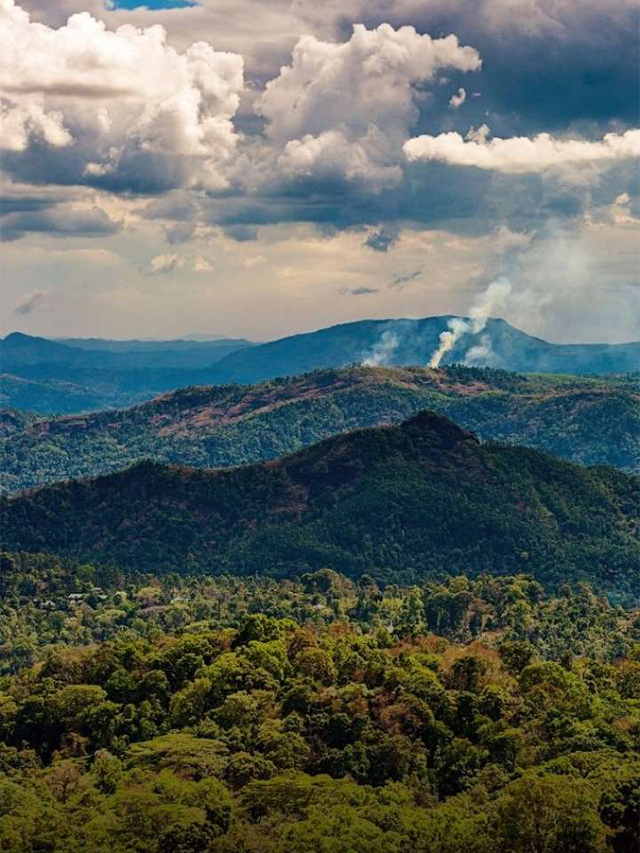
413,342
584,419
398,502
89,374
19,350
86,375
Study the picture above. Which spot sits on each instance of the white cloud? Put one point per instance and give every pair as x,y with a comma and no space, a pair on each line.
202,265
458,99
165,263
111,95
508,241
20,121
347,108
254,261
333,153
521,154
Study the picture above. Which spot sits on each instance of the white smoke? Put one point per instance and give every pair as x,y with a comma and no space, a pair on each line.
482,309
481,354
382,351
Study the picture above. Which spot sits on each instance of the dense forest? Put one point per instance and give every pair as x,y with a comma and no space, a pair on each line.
215,715
399,502
594,421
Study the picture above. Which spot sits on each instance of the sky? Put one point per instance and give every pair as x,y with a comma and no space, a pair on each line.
258,168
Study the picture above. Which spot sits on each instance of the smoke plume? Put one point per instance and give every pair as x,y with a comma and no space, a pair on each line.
480,312
382,351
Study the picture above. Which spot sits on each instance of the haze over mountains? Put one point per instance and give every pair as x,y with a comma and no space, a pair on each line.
88,374
84,375
583,419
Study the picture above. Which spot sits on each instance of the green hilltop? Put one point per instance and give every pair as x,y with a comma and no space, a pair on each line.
397,502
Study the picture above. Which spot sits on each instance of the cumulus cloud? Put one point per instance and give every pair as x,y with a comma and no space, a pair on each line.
458,99
358,136
521,154
547,63
117,98
165,263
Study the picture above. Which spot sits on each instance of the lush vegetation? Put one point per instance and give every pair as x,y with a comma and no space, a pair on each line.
217,715
587,420
400,503
60,396
398,640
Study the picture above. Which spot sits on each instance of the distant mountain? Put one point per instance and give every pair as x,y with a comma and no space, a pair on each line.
18,350
588,420
199,347
105,378
57,396
399,503
85,375
413,342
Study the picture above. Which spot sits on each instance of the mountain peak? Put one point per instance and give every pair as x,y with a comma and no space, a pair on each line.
20,338
400,503
448,432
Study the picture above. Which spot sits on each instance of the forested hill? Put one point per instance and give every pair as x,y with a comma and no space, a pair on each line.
586,420
398,503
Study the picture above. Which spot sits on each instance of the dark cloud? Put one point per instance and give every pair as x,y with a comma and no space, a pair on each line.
383,238
182,232
545,66
241,233
570,69
357,291
57,221
399,281
27,203
138,171
35,300
176,205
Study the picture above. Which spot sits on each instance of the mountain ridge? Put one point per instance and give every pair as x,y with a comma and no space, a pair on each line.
104,379
592,421
398,502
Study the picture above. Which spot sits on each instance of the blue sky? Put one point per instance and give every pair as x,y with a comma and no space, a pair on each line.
319,163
